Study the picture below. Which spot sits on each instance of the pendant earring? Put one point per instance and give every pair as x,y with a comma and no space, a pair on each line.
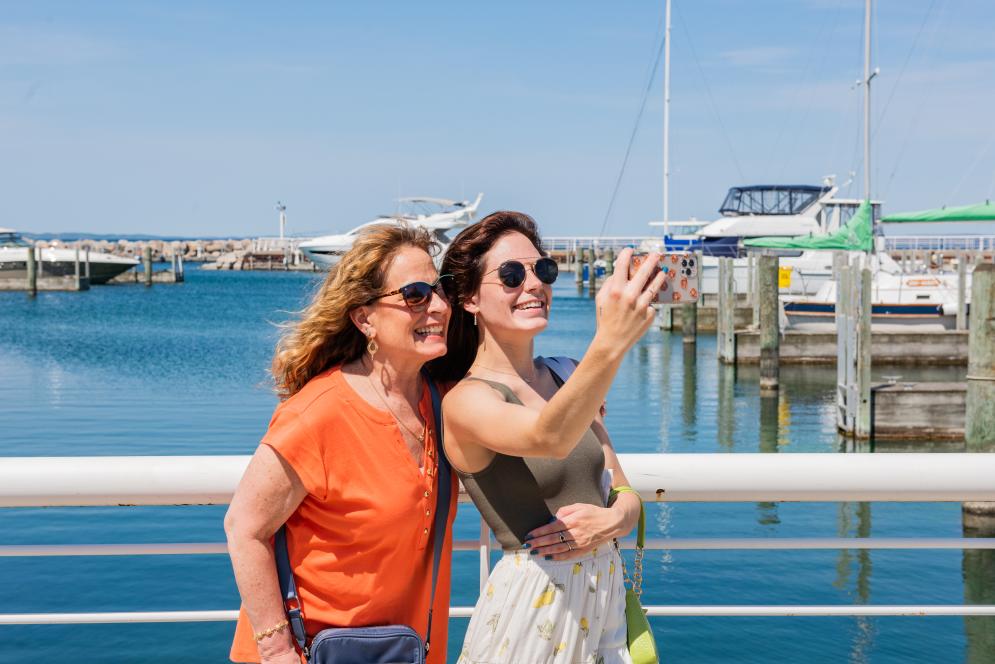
372,346
475,320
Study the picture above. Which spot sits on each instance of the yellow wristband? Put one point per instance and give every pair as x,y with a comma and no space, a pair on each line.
622,489
259,636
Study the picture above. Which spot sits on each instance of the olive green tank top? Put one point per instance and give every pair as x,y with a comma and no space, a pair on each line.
517,494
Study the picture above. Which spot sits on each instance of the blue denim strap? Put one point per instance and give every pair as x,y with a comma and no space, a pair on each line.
444,485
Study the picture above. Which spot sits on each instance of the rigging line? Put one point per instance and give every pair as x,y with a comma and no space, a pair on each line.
942,16
804,77
711,99
884,111
977,160
635,130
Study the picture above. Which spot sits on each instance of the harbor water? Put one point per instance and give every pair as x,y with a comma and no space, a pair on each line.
181,370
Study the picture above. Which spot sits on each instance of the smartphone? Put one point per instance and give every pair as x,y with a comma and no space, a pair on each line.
681,283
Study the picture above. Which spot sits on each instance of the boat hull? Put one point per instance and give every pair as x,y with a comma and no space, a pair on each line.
821,316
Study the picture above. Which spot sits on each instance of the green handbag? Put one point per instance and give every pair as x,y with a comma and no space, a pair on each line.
639,636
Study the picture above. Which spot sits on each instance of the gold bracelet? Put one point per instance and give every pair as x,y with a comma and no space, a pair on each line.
259,636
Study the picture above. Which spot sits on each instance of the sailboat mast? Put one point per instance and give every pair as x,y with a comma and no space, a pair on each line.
666,122
867,100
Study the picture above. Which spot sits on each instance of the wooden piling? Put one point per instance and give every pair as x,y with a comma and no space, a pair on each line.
979,429
147,265
863,353
76,268
86,263
962,292
179,264
579,269
592,274
755,291
726,328
979,424
770,332
609,262
32,269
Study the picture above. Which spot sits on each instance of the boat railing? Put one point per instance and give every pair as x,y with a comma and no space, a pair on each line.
974,243
722,478
570,244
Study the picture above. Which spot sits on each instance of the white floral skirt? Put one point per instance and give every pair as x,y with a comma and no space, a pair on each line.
534,610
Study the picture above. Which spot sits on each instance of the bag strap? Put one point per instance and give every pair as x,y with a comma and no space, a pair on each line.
561,365
444,485
637,577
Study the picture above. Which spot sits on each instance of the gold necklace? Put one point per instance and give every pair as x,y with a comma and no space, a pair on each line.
420,437
510,373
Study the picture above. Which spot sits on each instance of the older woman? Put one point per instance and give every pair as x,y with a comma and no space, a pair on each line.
532,449
349,461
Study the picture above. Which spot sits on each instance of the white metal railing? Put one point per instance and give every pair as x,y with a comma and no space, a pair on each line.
939,243
115,481
570,244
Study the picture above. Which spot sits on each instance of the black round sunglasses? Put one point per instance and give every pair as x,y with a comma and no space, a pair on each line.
512,273
417,294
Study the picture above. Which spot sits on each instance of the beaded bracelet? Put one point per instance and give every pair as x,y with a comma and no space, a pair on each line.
259,636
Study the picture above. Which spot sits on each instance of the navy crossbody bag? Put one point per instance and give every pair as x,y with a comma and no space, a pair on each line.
387,644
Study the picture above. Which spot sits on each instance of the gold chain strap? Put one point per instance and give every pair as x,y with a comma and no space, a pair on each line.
636,581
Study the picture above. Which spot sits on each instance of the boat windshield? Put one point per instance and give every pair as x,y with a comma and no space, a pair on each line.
767,199
13,240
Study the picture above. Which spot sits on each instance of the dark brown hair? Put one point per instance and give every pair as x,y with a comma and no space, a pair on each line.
324,334
464,260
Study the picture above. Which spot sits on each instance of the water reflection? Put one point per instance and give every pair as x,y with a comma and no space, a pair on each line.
689,389
727,407
854,520
769,412
979,588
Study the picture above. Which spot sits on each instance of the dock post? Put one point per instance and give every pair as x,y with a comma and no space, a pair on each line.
32,269
76,270
962,291
665,317
770,332
751,267
86,263
609,262
979,424
863,281
755,292
592,274
579,269
727,312
147,264
179,264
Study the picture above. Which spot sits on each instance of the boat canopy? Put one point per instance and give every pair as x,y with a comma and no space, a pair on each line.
981,212
770,199
854,235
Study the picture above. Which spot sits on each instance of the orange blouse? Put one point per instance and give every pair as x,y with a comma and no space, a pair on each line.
361,541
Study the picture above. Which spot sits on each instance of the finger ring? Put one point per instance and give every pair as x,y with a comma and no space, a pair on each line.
570,546
562,537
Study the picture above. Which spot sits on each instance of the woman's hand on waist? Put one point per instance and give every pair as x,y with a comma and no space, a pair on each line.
576,531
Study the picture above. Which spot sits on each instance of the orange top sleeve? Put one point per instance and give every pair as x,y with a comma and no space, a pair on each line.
360,542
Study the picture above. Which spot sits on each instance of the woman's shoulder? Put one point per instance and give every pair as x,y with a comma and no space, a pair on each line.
322,391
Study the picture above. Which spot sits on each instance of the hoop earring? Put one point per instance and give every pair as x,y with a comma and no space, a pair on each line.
372,347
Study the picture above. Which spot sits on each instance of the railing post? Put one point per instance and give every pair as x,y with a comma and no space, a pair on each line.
770,332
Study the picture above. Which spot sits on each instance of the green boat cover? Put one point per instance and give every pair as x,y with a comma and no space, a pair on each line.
854,235
980,212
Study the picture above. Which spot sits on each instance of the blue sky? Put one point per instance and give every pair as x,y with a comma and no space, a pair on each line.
194,118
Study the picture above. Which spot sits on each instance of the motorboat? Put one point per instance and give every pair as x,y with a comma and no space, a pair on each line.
769,211
926,301
57,261
438,216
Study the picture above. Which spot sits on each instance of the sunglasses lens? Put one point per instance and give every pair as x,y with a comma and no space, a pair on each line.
512,274
547,270
416,293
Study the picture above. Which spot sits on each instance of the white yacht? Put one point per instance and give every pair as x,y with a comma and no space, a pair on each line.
765,211
56,261
436,215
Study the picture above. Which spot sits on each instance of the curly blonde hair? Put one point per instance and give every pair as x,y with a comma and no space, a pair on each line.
324,335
